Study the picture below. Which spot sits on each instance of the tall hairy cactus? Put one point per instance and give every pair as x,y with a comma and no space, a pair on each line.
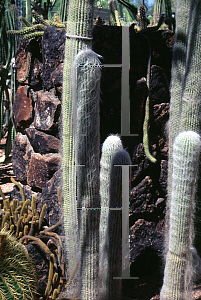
110,253
184,116
178,72
87,155
178,273
110,146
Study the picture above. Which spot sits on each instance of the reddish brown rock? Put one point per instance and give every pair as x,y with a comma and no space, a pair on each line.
45,109
22,108
42,142
21,65
42,168
22,151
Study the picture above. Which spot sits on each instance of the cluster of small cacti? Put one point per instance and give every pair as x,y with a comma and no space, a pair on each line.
25,222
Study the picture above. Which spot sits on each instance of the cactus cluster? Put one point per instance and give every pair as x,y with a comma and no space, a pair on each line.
83,227
25,223
36,30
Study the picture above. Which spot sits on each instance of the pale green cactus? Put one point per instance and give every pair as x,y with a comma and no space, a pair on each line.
178,71
178,275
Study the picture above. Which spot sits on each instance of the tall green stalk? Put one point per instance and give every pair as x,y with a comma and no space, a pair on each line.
179,269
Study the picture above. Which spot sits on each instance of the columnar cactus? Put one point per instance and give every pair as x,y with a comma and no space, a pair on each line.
178,71
79,32
178,273
87,155
111,259
110,146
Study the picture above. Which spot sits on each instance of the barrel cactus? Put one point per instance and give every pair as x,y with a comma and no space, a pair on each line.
17,272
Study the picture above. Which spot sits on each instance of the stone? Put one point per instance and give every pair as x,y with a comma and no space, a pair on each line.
21,60
57,77
35,79
22,151
45,110
22,107
50,198
53,48
42,142
42,168
159,86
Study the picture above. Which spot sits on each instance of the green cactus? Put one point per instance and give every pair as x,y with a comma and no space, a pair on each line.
157,10
36,30
146,118
28,10
111,260
184,114
17,273
178,275
79,23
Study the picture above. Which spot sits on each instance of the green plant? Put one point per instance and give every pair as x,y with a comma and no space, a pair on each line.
178,275
157,10
25,222
79,32
185,94
8,47
17,272
178,73
35,30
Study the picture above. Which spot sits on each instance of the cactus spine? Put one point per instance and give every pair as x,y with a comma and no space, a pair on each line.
178,274
111,262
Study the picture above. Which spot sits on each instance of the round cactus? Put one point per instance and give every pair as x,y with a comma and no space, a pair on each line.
17,273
